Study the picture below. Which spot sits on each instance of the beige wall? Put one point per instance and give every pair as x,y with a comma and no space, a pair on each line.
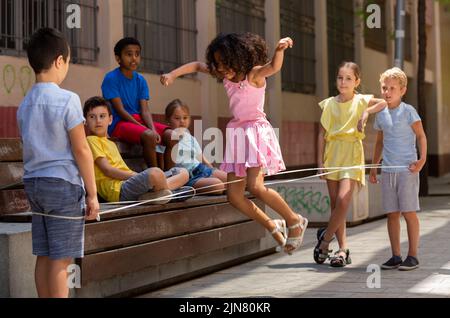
207,98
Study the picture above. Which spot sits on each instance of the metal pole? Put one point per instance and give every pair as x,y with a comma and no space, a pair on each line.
400,34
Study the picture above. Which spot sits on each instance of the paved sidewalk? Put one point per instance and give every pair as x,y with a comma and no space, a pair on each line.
281,275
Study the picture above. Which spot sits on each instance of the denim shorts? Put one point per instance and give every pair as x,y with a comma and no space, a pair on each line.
201,171
400,191
54,237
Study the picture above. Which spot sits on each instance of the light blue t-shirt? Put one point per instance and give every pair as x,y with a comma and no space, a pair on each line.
187,152
45,117
399,139
130,91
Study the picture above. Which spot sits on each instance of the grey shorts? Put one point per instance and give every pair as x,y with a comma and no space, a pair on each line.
139,184
134,187
53,237
400,191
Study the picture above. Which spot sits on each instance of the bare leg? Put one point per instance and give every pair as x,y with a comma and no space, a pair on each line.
41,276
148,141
157,179
57,278
393,226
412,225
169,143
236,196
211,184
255,180
338,215
178,180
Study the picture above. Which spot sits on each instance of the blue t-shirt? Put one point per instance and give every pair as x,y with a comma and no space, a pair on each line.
45,117
130,91
399,139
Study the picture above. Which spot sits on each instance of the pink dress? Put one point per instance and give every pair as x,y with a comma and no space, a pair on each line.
251,140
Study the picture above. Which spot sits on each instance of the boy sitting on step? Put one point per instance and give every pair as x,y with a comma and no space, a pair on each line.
115,181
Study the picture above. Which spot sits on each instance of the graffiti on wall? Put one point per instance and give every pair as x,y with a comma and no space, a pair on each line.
302,199
20,78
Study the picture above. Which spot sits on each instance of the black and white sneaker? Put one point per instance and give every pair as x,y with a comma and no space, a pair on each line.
393,263
182,194
409,263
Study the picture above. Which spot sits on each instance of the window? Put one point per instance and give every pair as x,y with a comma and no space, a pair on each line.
166,29
376,38
20,18
240,16
341,40
297,22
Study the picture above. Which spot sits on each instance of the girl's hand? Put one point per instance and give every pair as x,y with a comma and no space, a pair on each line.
167,79
373,176
284,44
362,122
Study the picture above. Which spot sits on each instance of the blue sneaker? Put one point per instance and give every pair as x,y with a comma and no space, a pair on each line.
393,263
409,263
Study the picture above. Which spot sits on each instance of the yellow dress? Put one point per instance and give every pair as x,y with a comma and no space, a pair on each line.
343,147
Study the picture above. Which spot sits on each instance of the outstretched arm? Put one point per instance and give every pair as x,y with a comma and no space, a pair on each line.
261,72
193,67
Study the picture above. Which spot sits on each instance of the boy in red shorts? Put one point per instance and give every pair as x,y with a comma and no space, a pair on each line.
128,92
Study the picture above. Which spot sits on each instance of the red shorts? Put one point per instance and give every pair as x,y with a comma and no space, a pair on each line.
131,133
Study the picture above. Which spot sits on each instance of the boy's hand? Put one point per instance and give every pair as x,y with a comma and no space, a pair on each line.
416,166
362,122
167,79
373,176
92,208
284,44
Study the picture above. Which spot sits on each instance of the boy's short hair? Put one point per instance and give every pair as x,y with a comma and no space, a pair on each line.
94,102
395,73
118,48
44,47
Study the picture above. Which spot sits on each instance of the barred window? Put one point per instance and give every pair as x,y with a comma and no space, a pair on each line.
376,38
21,18
240,16
297,22
341,40
166,29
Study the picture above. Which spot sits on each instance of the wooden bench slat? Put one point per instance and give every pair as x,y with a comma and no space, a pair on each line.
139,229
10,149
13,201
11,174
100,266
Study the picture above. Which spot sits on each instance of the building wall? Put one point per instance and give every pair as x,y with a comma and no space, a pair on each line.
296,115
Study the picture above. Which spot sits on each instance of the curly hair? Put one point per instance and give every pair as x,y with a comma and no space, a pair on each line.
239,52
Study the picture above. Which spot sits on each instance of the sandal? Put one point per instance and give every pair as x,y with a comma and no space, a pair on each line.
297,241
321,255
339,260
280,226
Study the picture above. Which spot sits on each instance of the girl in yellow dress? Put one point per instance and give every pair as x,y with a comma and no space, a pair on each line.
340,145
